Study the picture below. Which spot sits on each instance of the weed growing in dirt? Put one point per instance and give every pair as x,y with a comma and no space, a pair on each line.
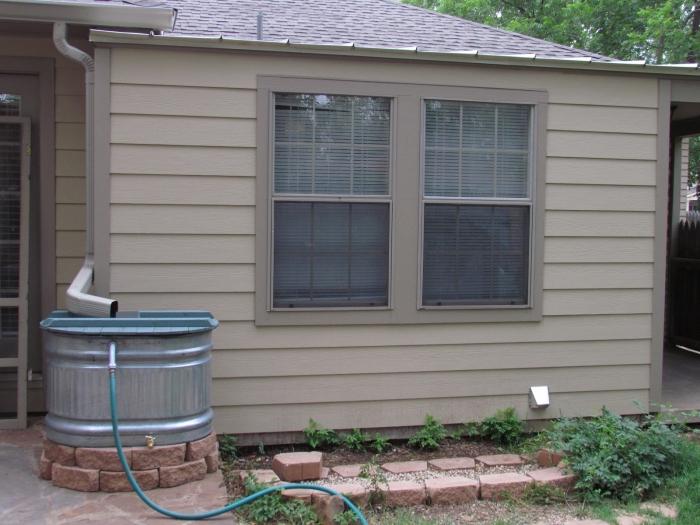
227,447
429,436
318,437
372,472
345,518
380,444
356,440
504,427
540,494
273,508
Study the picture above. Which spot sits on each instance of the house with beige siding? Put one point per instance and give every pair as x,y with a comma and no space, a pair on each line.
391,212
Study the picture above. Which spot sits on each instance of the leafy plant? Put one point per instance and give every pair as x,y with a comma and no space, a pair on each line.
380,443
615,457
318,437
541,494
504,427
227,447
273,508
345,518
467,430
355,440
429,436
372,472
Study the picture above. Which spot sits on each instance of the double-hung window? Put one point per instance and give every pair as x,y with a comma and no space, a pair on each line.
477,204
331,201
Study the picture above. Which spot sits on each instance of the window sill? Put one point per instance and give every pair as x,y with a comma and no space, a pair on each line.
397,316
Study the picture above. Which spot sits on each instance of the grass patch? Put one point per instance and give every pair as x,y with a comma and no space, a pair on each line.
683,490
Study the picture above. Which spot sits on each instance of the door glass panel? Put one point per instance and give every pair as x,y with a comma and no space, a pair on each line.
10,105
8,392
10,185
9,317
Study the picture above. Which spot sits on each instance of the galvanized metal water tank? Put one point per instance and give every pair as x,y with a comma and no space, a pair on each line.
163,377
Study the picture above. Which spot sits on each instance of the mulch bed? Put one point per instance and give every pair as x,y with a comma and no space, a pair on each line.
250,458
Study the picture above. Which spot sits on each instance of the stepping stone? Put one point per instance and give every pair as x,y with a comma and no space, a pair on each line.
631,519
452,491
347,471
354,491
262,475
494,486
298,466
548,458
452,463
585,522
301,494
405,494
667,511
325,472
405,467
553,476
500,460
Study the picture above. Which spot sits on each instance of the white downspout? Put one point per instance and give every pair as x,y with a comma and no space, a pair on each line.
78,300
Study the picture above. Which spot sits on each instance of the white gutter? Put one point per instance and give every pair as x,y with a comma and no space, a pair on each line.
412,53
78,300
89,13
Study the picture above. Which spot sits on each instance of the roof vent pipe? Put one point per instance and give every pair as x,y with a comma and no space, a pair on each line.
260,25
78,300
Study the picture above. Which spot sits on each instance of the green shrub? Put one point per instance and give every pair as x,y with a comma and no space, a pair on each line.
468,430
380,443
227,447
429,436
273,508
318,437
504,427
541,494
355,440
345,518
615,457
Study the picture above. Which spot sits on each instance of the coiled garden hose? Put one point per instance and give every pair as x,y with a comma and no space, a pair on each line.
211,513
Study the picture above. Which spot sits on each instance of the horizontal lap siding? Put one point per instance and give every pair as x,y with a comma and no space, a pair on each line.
183,233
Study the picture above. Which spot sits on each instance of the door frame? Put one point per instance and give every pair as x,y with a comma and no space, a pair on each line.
22,301
44,68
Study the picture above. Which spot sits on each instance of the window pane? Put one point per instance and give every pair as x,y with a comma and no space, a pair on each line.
331,144
330,254
475,254
10,185
10,105
476,150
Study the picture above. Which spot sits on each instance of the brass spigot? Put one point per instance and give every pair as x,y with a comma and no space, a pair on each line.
150,440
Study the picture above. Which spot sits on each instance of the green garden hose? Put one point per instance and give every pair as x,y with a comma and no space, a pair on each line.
208,514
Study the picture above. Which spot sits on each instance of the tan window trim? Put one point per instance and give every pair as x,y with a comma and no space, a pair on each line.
406,194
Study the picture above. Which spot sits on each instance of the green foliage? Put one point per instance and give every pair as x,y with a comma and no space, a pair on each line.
380,443
540,494
504,427
318,437
227,447
355,440
372,472
468,430
273,508
615,457
684,488
429,436
655,30
345,518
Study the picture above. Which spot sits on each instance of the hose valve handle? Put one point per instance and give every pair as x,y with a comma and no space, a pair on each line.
150,441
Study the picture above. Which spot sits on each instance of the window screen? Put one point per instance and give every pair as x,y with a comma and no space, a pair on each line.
477,205
331,201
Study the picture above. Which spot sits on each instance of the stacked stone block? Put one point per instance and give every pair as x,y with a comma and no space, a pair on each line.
98,469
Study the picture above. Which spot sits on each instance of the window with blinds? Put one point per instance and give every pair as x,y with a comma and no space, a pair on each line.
331,201
477,203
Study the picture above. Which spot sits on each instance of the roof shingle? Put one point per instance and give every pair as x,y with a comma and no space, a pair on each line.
374,23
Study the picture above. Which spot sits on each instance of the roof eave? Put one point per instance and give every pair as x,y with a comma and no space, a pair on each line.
353,50
89,14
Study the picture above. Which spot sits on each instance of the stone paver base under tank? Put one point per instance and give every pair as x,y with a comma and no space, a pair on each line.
26,499
99,469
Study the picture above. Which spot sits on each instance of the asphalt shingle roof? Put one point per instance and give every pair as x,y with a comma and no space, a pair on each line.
374,23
